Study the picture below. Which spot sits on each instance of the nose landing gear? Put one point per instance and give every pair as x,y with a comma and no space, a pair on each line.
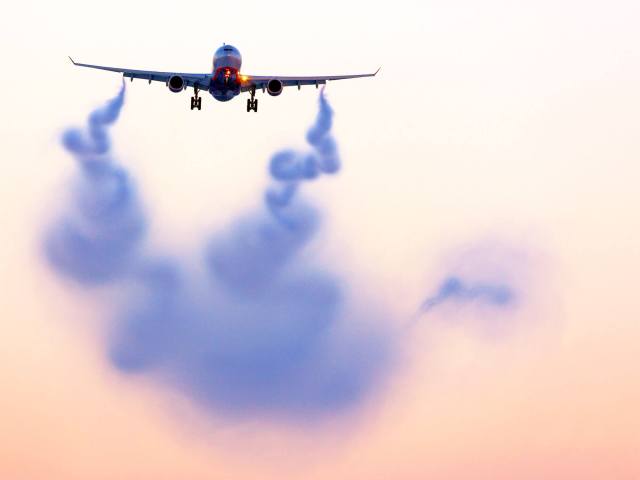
252,103
196,101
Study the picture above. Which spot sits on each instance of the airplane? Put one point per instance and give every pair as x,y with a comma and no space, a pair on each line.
225,80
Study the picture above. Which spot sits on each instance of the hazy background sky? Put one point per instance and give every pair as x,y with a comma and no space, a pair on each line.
507,126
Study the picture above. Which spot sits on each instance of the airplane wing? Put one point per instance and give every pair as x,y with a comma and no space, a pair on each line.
202,80
251,81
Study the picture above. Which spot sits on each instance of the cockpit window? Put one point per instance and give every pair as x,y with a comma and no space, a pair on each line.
228,49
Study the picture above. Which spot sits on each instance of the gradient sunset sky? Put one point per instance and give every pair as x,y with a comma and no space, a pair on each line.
498,137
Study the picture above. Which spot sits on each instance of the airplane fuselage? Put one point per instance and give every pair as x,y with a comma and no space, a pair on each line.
226,81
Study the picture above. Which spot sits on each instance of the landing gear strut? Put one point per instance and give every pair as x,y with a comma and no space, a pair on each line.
252,103
196,101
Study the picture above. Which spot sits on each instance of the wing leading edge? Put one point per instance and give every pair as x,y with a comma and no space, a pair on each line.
260,82
202,80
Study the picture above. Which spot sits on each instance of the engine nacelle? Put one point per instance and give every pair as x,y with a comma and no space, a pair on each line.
176,83
275,87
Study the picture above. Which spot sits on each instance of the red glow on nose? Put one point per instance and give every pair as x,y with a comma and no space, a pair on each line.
224,74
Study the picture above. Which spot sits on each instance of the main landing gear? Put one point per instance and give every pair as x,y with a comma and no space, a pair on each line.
252,103
196,101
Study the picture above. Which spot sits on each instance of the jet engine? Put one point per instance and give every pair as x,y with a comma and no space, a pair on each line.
275,87
176,83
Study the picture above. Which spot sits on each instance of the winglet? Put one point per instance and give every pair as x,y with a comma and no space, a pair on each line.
373,74
72,61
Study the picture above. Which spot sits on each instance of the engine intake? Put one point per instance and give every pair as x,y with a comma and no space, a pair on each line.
176,83
275,87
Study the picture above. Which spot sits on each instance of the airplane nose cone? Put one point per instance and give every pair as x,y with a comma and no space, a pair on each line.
227,56
226,50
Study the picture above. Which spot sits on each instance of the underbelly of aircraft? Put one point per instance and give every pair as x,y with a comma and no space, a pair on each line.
224,95
225,85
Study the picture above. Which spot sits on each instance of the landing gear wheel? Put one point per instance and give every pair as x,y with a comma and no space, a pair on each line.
196,101
252,103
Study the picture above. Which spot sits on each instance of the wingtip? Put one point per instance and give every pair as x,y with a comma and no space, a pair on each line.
377,70
72,61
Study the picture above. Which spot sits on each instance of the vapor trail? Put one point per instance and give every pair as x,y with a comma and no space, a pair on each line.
289,168
97,239
264,332
456,290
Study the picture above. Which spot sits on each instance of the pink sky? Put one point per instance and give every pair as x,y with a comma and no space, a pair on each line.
515,123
